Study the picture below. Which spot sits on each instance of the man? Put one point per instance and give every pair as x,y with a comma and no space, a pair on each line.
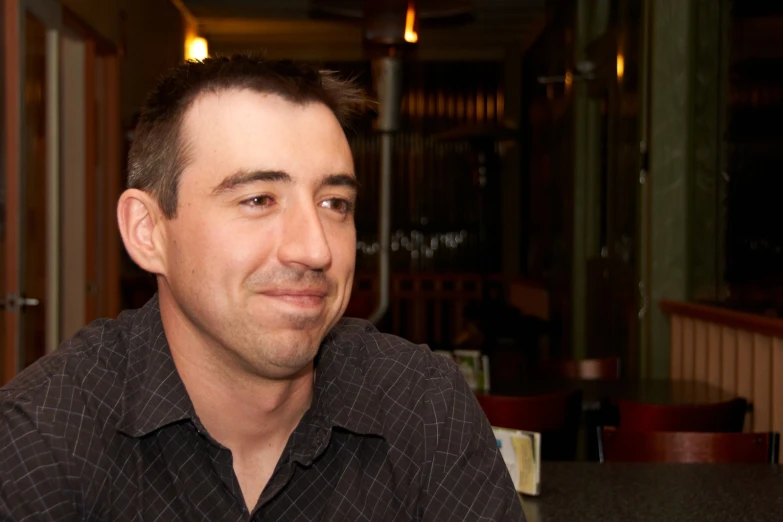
238,393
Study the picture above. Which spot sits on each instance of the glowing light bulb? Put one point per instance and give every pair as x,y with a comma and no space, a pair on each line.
411,36
198,49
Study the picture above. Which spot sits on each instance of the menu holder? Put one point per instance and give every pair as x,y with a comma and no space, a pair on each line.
521,451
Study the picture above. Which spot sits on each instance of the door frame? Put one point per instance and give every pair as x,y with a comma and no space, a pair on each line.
103,251
14,13
103,187
12,151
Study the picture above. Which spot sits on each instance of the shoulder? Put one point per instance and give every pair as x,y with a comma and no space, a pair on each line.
54,416
93,352
405,386
391,361
81,382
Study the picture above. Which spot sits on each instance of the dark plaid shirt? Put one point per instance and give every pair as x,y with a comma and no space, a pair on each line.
103,429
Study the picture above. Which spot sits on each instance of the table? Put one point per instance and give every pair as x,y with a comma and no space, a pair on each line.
656,391
641,492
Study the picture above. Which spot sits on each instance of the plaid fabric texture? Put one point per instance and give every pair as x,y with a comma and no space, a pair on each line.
104,429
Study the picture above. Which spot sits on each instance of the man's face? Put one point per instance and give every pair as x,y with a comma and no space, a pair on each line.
260,257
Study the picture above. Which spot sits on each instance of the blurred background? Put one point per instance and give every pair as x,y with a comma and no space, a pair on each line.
566,178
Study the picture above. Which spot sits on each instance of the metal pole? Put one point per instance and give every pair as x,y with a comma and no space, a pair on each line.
387,72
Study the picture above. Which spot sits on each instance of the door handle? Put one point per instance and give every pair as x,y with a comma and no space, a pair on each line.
13,302
24,302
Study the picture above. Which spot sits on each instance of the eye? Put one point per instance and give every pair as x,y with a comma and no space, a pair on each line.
343,206
258,201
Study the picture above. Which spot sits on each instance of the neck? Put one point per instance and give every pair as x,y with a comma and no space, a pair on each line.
246,415
242,410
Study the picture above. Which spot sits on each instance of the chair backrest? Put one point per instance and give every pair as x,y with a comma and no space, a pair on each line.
606,368
621,445
555,415
726,416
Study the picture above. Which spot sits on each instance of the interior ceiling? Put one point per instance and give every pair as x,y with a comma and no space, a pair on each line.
284,29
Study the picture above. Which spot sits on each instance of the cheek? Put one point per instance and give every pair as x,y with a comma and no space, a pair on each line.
343,246
206,248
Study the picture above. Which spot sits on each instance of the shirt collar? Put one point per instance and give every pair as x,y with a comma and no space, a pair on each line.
154,394
342,397
350,402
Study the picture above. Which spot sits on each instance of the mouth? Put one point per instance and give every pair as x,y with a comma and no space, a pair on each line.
298,297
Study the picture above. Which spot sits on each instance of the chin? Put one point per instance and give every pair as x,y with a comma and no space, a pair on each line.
309,338
294,356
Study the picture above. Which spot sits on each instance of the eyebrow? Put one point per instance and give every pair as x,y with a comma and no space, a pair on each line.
243,177
340,180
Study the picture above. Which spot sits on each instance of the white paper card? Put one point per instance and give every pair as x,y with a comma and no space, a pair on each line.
521,451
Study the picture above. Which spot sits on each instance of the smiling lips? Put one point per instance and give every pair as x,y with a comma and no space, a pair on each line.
300,297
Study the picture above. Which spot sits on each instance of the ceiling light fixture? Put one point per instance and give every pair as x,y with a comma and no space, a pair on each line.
411,36
198,49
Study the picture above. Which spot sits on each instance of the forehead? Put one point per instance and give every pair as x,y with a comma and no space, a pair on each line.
240,129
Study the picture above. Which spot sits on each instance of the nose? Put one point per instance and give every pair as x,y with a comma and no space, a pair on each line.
304,240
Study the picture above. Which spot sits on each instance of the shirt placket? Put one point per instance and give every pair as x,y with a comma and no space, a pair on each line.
308,441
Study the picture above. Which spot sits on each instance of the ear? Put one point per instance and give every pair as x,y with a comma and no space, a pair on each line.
139,218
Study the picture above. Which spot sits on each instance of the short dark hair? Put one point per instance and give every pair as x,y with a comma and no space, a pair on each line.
158,154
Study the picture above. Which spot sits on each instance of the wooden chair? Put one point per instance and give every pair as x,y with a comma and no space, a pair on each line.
606,368
621,445
726,416
556,416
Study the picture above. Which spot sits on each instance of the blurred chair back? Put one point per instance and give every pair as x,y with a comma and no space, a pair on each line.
621,445
556,416
606,368
726,416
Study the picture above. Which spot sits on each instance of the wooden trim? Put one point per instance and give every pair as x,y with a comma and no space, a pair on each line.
12,163
714,354
762,383
777,385
689,354
113,186
675,363
52,173
729,358
91,296
102,260
770,326
701,352
745,370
